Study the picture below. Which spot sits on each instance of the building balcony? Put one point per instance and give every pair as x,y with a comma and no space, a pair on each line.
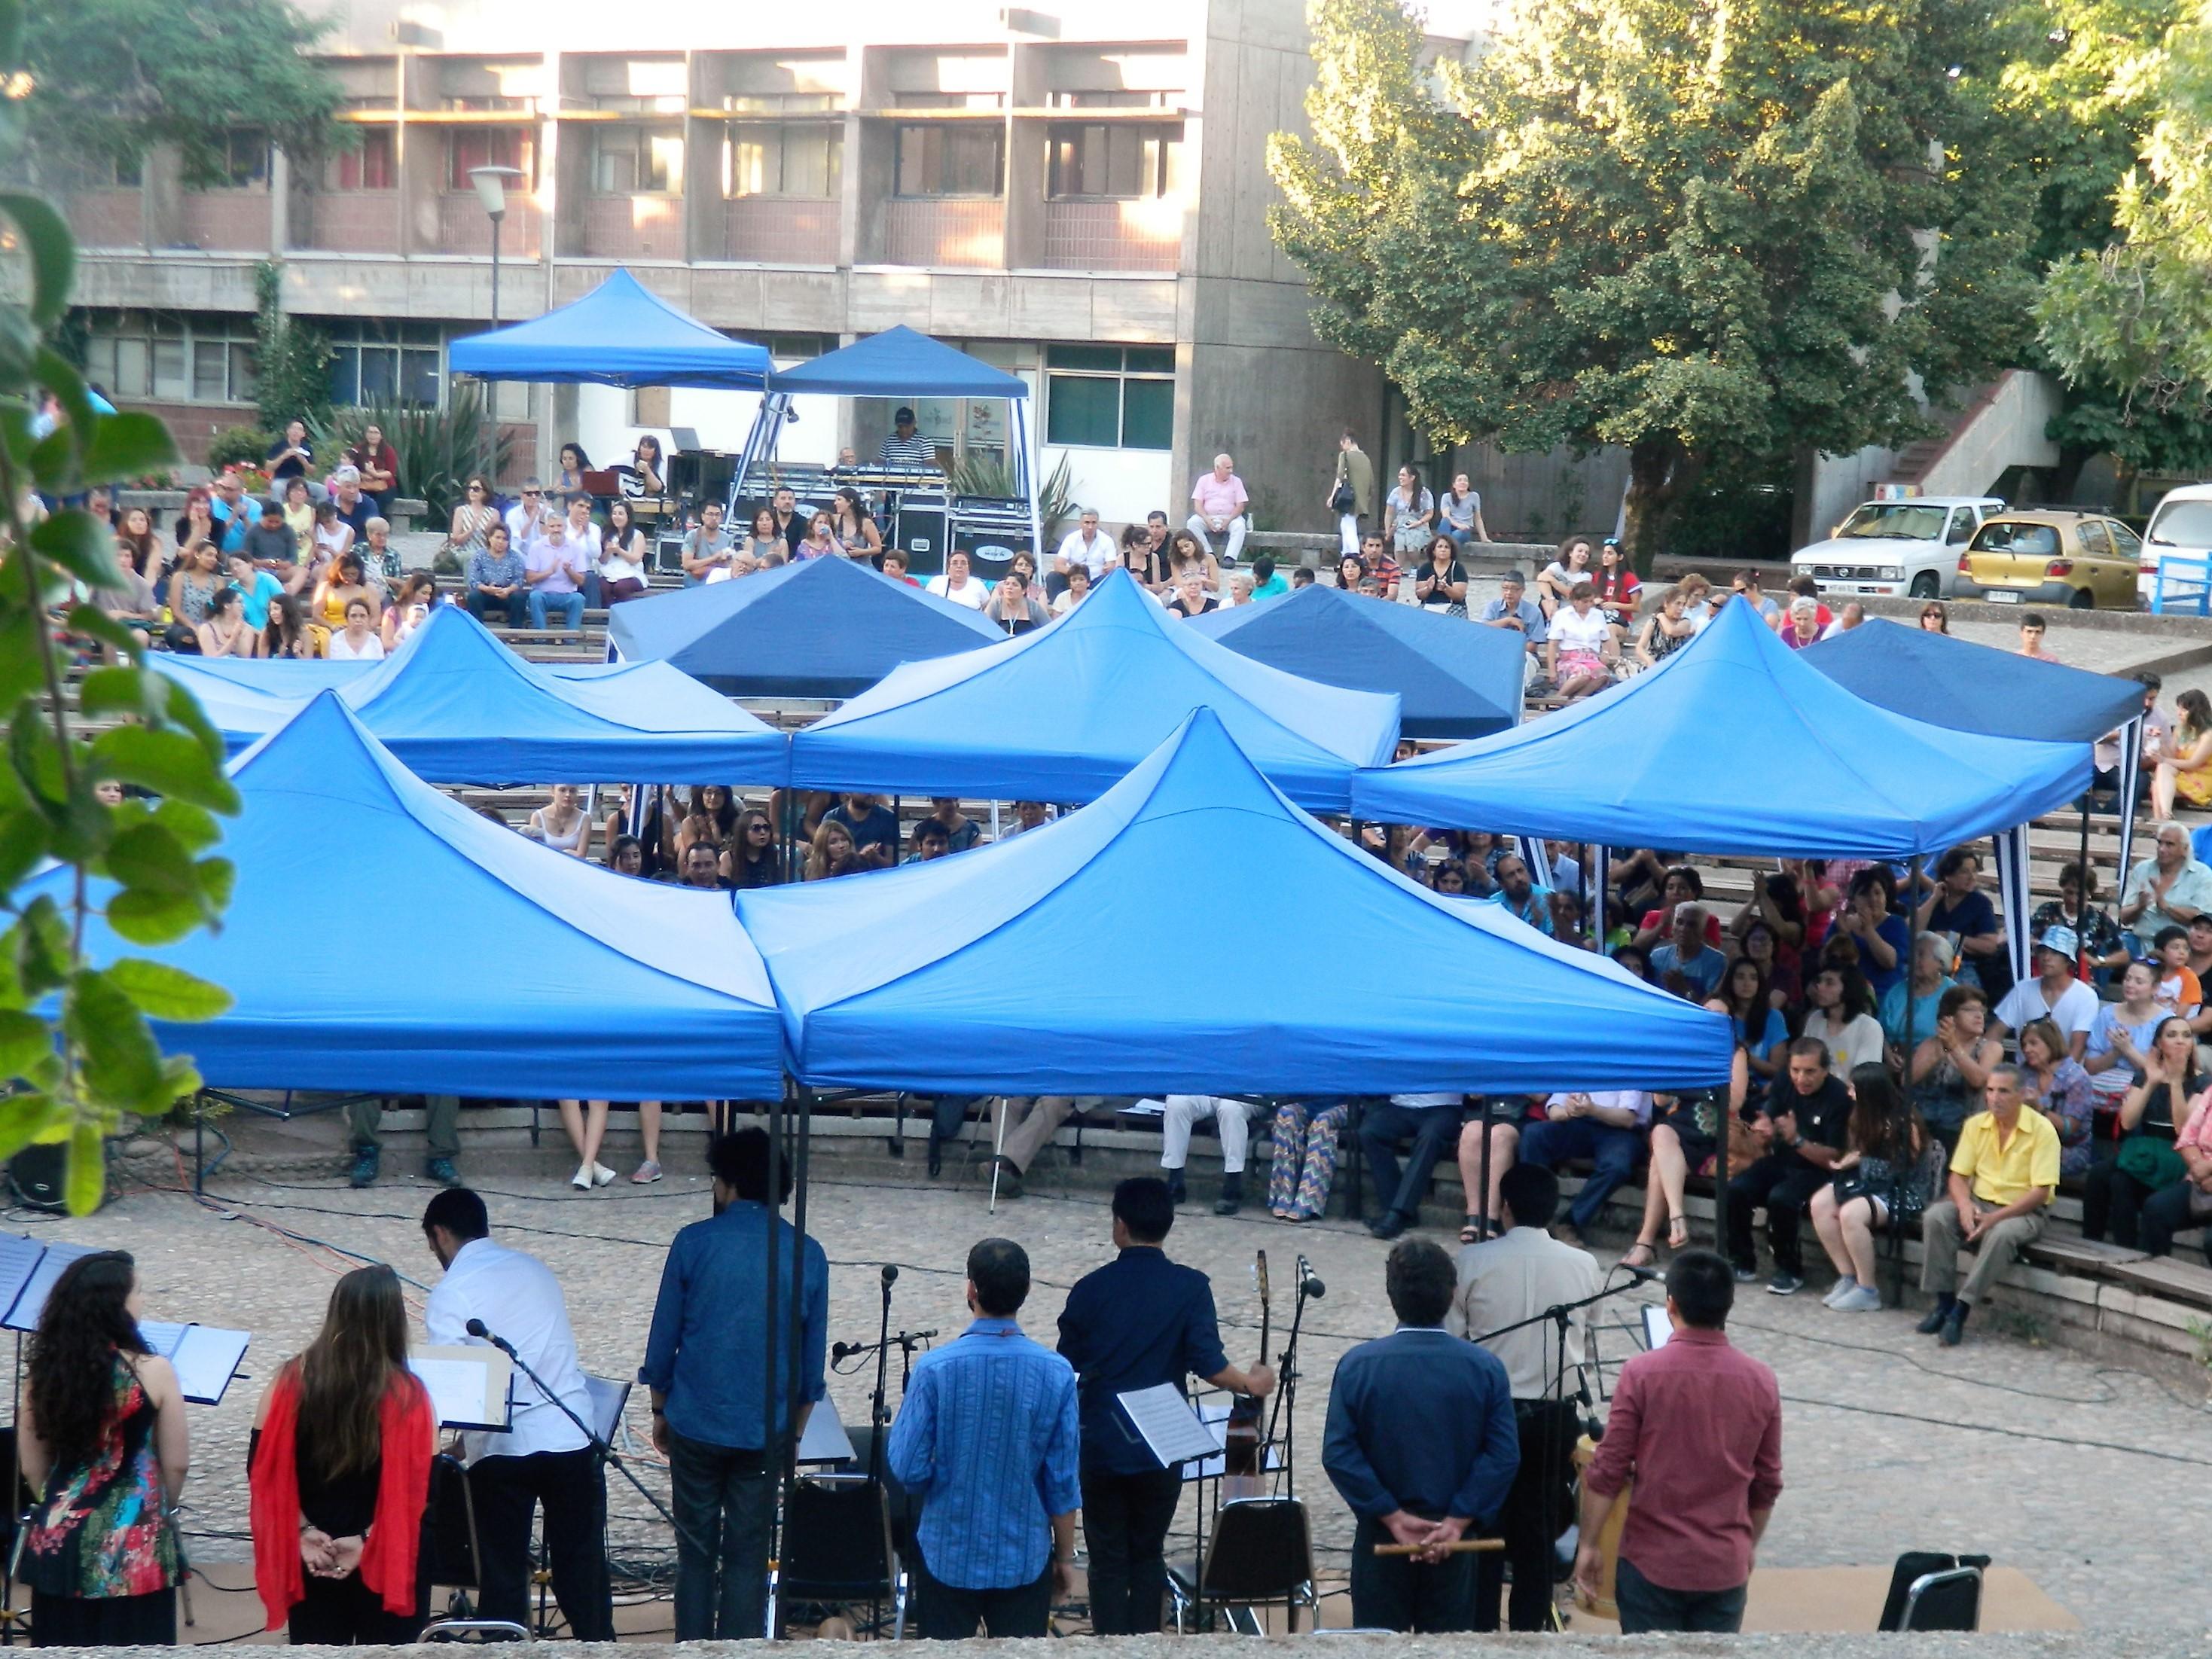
950,231
346,221
633,227
781,230
224,221
105,218
461,226
1141,236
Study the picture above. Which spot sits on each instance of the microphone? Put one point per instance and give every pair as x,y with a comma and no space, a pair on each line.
891,1275
839,1352
475,1328
1641,1275
1309,1281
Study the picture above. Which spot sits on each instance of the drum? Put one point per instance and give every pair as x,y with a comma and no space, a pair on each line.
1608,1538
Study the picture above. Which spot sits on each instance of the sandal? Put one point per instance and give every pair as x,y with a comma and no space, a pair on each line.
1650,1252
1470,1230
1678,1232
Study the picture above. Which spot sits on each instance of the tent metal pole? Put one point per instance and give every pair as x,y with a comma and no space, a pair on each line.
2081,918
772,1430
1912,950
796,1323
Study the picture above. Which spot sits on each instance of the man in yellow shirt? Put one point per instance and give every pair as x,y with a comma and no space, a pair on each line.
2005,1171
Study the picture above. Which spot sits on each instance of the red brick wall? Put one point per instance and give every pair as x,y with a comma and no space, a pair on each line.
230,220
105,218
347,221
944,233
463,228
632,227
781,230
1112,236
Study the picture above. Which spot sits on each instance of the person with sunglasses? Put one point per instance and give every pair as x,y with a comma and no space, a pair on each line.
473,520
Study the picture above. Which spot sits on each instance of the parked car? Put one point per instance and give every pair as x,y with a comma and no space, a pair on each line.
1891,547
2079,560
2180,528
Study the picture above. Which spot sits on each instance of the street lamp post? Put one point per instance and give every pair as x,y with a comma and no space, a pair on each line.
491,191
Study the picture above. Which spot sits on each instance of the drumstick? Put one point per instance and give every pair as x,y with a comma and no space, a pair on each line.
1457,1547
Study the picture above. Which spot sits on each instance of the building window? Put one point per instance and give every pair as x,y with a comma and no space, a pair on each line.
637,161
1096,161
790,348
177,358
951,158
1109,397
779,103
789,159
117,172
490,147
1112,97
373,165
375,363
971,101
243,161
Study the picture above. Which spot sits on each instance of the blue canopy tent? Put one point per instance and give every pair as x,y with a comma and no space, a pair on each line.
821,628
926,977
490,966
1966,687
619,334
456,705
1065,713
1452,680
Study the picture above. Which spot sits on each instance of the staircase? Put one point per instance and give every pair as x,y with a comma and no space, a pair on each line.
2002,426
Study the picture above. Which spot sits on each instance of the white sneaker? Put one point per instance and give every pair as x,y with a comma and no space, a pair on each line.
1865,1299
601,1174
581,1181
1845,1286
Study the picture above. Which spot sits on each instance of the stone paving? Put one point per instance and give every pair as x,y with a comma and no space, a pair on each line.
2073,1472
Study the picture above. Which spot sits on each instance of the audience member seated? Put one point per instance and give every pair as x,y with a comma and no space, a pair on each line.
831,852
1514,612
1303,1163
1868,919
626,856
554,574
1408,512
1952,1063
1805,1119
2003,1174
289,634
1014,608
2151,1112
1679,885
958,586
928,843
2166,889
1027,1124
1555,583
2054,994
1685,1131
1620,589
497,582
1889,1171
1841,1016
1931,956
1579,648
752,860
1191,599
1429,1122
1957,905
2180,990
2187,1201
1376,564
2054,1083
1218,507
872,825
1666,630
710,815
226,633
2183,773
563,825
1440,582
702,865
960,831
1232,1117
1687,964
2101,943
1605,1125
356,641
1519,896
1760,1030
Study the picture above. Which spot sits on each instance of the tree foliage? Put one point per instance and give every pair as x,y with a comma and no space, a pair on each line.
76,1052
291,358
111,78
1700,231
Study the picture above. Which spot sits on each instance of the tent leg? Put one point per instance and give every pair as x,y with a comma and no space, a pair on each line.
1481,1205
1911,1040
797,1321
773,1455
2080,920
998,1151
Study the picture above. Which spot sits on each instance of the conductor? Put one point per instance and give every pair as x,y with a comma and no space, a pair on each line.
1421,1443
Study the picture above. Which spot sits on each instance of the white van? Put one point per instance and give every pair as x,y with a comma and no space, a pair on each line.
1903,548
2180,526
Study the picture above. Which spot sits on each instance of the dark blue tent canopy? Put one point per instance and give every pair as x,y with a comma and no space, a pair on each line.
1065,713
1453,679
456,705
821,628
461,958
899,363
1733,745
927,977
1973,687
619,334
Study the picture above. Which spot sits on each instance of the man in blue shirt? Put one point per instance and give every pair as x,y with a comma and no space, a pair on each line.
1519,895
1421,1443
1687,965
704,1362
987,1441
1137,1322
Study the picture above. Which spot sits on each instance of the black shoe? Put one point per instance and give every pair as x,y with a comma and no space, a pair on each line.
1232,1195
1176,1192
1932,1321
1955,1324
365,1161
1389,1227
1009,1178
936,1159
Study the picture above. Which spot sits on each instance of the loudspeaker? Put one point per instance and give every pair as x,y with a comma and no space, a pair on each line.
37,1173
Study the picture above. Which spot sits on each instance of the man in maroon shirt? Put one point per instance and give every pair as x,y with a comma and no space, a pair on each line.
1698,1426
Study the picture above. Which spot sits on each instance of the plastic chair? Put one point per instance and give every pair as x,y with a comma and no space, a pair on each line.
1261,1555
837,1550
1930,1590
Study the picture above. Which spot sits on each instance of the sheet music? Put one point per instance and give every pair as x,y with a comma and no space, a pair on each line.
205,1357
1169,1429
468,1385
825,1440
1215,1414
19,1259
607,1397
1657,1327
31,1301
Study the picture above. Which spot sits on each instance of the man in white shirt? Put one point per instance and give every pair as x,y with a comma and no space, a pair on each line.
1219,501
543,1456
1603,1125
2054,994
1090,547
958,586
1502,1282
525,520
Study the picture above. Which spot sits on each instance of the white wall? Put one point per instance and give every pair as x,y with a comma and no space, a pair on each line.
1123,484
721,419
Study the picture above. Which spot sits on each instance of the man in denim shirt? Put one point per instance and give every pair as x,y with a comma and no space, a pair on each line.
986,1441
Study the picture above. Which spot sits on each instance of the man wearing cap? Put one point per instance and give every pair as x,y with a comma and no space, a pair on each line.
906,446
2054,994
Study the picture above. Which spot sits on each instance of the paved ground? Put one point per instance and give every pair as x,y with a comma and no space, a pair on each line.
2073,1473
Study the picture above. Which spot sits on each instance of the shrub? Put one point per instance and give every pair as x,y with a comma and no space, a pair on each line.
237,446
438,449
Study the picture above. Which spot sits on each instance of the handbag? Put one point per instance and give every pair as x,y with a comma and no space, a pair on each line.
2152,1161
1343,498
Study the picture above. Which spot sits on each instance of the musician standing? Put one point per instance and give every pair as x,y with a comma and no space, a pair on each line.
906,446
1137,1322
1421,1444
542,1456
1502,1282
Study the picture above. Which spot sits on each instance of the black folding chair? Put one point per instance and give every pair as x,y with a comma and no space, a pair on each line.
451,1544
837,1551
1261,1555
1928,1590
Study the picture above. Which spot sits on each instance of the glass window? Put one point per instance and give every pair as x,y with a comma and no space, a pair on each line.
1083,409
373,166
1103,162
128,379
2094,541
1105,360
1096,398
169,380
377,363
245,374
1147,414
490,147
211,366
637,161
954,159
800,159
245,162
2125,541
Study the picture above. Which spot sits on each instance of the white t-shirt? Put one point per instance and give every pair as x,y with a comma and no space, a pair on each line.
1416,1103
372,649
975,595
1858,1042
2024,1004
1098,556
1574,632
1627,1100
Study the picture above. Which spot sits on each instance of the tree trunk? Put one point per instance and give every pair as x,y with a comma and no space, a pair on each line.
1661,472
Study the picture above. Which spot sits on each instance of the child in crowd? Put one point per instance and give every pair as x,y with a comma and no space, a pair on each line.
2179,991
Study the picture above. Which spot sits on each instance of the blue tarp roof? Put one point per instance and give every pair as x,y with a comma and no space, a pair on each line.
1973,687
1034,966
1063,713
1732,745
1454,679
455,956
456,705
619,334
821,628
899,363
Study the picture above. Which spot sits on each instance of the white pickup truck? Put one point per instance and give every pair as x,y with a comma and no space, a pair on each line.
1908,548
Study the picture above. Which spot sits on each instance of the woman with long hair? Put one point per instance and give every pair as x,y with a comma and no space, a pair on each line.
1555,582
763,539
2151,1115
647,463
562,823
622,555
101,1432
412,606
288,635
1141,560
150,554
1440,584
1620,589
1186,553
852,524
830,853
299,518
712,817
750,860
340,1473
2058,1085
196,580
1884,1171
332,537
1934,618
472,521
2185,774
226,633
574,463
1759,1028
343,580
1666,630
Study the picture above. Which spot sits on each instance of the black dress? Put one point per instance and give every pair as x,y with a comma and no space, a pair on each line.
344,1612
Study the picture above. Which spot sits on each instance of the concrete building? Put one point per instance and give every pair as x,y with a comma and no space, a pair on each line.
1076,192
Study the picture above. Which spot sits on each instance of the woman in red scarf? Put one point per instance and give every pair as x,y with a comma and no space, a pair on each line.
340,1471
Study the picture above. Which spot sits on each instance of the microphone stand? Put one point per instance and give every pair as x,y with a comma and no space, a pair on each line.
879,1417
1287,1383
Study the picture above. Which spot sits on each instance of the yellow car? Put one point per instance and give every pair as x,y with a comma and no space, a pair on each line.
2079,560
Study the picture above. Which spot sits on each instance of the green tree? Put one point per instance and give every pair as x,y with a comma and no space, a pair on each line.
111,78
76,1052
1701,232
292,359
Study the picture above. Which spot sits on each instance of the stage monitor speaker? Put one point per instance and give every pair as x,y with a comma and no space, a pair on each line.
39,1176
668,556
